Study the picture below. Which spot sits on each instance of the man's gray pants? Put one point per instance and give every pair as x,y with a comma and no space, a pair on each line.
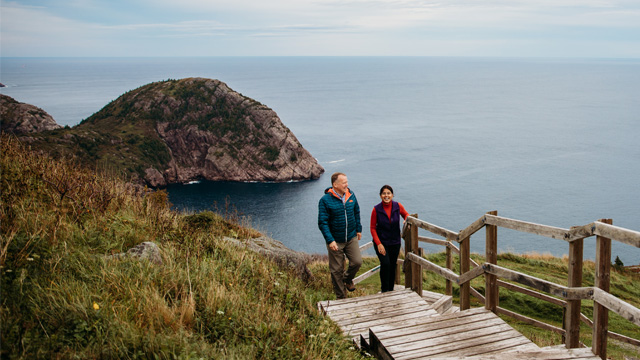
336,265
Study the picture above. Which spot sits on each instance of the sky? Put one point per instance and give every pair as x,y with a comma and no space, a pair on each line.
507,28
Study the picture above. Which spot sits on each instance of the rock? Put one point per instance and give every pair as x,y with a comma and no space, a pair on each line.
280,254
2,85
177,131
146,250
21,118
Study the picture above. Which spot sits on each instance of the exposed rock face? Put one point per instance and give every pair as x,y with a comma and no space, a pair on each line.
209,132
280,254
21,118
146,250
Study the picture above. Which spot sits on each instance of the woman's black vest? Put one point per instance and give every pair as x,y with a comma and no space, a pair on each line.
388,230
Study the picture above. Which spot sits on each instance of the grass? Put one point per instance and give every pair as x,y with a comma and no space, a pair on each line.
63,297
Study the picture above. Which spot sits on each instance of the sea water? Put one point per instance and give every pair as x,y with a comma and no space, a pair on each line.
549,141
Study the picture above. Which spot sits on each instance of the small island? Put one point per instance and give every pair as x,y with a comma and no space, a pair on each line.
177,131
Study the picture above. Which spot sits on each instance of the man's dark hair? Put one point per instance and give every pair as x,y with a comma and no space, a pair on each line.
334,177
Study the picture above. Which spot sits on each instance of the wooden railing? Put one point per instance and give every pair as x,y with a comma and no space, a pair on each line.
569,296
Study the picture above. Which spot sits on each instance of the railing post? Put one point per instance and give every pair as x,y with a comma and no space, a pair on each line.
407,263
572,320
416,269
448,286
491,254
465,265
602,281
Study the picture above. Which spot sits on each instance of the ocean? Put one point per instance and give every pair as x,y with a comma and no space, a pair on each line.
549,141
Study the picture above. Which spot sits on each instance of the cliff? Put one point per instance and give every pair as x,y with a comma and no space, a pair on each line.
21,118
177,131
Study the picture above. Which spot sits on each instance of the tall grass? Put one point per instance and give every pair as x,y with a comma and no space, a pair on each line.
64,297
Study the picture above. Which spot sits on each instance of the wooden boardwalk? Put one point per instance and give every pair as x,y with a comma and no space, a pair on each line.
403,325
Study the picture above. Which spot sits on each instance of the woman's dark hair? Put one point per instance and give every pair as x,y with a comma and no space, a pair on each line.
386,187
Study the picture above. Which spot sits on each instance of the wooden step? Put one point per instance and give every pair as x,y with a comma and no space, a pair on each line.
546,353
356,315
465,333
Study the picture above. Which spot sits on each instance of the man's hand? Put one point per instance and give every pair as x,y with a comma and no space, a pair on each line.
382,250
359,236
333,246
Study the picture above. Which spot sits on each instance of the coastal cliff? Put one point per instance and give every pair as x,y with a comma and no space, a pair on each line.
21,118
177,131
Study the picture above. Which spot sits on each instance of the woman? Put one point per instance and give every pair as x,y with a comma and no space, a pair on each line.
385,229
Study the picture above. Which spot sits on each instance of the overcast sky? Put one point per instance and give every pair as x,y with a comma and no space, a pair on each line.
546,28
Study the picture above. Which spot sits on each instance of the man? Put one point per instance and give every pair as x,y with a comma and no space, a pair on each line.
339,222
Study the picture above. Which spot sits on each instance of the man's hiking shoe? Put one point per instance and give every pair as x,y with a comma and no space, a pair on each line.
350,286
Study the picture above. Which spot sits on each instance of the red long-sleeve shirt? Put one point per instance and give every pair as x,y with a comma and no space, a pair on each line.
374,219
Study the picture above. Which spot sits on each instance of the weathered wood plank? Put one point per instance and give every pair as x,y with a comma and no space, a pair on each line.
446,273
528,227
626,236
465,265
618,306
442,334
367,245
379,313
470,275
416,269
431,345
491,256
379,308
330,305
539,354
535,294
449,265
433,320
530,321
539,284
501,345
433,241
445,233
364,276
602,281
473,228
377,348
580,232
337,309
443,304
572,315
434,324
380,321
473,346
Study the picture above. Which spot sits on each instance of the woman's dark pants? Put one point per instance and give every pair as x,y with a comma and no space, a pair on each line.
388,266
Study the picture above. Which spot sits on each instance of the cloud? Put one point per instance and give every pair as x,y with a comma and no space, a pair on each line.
365,27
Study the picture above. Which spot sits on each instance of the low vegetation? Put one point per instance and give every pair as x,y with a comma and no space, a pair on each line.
64,297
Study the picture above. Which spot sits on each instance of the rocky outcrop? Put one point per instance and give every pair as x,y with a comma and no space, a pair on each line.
275,250
20,118
144,251
199,128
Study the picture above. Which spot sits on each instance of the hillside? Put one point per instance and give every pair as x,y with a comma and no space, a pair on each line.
65,296
182,130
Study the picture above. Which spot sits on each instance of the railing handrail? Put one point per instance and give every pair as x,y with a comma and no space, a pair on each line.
572,295
623,235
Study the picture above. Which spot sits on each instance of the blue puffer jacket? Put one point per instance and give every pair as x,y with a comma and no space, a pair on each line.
337,221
